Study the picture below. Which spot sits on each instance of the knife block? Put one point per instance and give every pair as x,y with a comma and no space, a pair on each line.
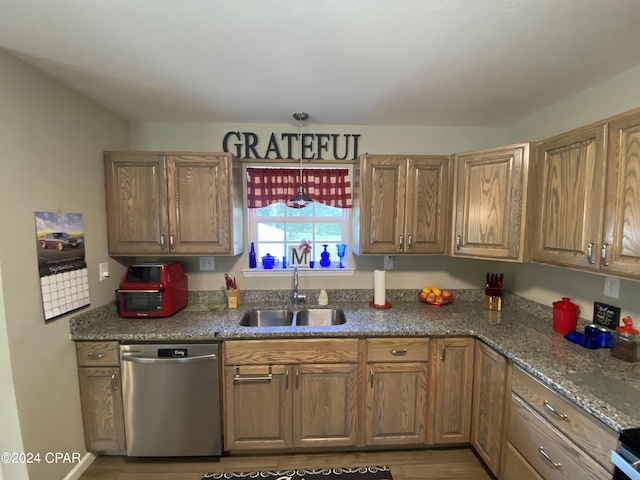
234,298
492,302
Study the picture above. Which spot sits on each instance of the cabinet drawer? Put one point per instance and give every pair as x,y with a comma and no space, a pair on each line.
534,438
583,429
397,350
98,354
247,352
517,467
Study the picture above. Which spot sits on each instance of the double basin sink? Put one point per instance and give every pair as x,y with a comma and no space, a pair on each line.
316,317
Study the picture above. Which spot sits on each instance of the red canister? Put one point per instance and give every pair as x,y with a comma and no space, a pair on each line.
565,316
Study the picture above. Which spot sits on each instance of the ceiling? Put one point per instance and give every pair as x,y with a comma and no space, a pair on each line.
345,62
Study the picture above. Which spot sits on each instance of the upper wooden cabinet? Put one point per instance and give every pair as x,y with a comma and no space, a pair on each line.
174,203
489,203
586,203
401,205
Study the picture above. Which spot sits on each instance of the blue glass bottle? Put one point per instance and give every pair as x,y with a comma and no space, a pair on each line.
253,262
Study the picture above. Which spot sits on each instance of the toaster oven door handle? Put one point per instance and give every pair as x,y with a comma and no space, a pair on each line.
158,290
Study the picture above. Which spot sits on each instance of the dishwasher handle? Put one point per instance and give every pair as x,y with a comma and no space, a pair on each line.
200,358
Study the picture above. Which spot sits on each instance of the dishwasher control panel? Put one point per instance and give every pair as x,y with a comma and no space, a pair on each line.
173,352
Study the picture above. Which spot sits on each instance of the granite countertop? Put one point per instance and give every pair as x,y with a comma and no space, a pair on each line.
605,386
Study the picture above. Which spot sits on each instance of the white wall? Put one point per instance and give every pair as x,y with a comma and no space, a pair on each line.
547,284
52,141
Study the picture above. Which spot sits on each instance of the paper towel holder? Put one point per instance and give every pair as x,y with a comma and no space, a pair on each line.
386,305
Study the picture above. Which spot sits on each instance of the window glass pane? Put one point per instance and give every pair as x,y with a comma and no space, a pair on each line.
327,211
299,231
328,232
273,210
270,232
300,212
274,249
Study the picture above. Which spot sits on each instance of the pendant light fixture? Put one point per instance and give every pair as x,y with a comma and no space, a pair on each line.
301,198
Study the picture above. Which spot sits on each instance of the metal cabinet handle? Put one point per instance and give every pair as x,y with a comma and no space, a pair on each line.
409,242
96,355
401,243
171,240
590,258
561,416
114,383
544,455
399,353
253,378
458,240
297,378
371,377
442,350
286,378
162,240
604,254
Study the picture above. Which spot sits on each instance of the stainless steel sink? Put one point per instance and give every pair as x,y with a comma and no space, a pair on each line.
320,317
267,318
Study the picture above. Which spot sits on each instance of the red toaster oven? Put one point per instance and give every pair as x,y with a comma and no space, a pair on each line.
152,290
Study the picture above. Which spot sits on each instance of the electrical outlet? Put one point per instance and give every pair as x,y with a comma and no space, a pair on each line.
206,264
104,271
388,262
611,287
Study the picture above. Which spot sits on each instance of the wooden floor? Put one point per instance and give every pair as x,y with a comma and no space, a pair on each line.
459,464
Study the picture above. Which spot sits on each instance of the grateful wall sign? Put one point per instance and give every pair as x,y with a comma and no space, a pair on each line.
315,146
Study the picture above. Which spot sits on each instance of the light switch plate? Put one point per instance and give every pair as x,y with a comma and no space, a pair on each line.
388,262
611,287
104,271
206,264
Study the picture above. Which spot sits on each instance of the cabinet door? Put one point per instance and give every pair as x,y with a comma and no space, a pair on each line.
396,403
427,205
567,203
136,189
257,408
621,233
102,410
488,410
452,360
490,203
324,405
200,207
383,186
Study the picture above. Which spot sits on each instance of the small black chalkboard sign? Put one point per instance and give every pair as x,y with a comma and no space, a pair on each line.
606,315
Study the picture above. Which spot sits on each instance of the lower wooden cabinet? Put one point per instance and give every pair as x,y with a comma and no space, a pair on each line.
549,452
396,398
516,467
490,397
452,367
554,438
303,402
101,396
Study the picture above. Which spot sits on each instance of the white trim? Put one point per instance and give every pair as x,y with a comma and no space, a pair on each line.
303,272
84,463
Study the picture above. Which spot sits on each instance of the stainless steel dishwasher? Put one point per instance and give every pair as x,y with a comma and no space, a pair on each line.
171,399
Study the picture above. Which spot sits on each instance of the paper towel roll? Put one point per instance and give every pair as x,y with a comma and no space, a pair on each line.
379,288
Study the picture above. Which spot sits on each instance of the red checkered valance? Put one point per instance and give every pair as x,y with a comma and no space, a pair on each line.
329,186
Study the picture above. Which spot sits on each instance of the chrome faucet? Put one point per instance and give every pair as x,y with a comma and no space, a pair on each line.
297,298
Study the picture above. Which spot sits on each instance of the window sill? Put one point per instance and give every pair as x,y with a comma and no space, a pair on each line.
303,272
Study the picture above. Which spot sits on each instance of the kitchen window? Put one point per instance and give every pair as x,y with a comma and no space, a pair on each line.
275,227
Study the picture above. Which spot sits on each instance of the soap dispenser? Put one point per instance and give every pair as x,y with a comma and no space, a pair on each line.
323,298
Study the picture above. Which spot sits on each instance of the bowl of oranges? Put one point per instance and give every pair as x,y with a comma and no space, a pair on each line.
434,296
